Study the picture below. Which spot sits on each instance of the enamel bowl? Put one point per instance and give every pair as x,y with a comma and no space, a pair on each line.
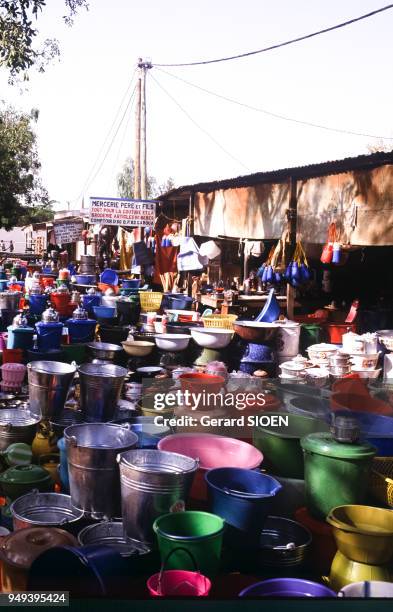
211,337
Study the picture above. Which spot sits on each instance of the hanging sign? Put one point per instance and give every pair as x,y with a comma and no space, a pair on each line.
67,232
120,211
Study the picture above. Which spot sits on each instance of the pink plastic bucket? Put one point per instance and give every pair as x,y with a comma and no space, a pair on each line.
212,451
178,583
13,373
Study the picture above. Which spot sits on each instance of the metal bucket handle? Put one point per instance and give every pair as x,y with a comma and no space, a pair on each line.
73,441
165,561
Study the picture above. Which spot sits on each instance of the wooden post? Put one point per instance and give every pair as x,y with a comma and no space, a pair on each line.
292,227
191,226
137,153
143,160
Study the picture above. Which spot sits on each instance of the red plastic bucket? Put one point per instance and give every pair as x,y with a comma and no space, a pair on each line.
335,331
12,355
60,302
178,583
212,451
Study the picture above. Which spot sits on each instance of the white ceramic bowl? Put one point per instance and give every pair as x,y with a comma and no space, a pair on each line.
209,337
365,362
366,373
319,353
290,368
137,348
172,342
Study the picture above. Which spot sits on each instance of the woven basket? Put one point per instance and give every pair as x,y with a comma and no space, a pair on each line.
381,481
218,320
150,300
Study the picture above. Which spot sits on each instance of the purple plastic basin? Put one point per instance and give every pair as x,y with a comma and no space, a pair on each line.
287,587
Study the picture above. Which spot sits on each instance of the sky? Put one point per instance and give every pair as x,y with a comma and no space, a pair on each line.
341,79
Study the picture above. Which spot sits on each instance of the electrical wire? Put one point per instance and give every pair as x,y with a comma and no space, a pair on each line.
199,126
272,114
282,44
124,135
88,180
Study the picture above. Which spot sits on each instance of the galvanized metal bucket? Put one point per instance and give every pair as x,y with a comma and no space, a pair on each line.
17,425
45,510
9,300
111,533
101,386
49,383
93,471
153,482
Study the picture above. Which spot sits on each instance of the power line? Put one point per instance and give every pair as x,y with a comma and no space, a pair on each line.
199,126
282,44
272,114
88,181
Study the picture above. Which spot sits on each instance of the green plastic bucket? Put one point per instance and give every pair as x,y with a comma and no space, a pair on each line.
75,352
200,533
280,445
310,333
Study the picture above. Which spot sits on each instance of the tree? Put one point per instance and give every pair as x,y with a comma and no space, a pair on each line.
23,198
125,182
18,52
380,145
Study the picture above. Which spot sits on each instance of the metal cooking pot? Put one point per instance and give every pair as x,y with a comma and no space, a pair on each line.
94,478
20,479
17,425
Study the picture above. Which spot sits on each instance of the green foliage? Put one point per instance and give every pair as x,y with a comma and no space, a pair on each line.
22,195
18,52
125,183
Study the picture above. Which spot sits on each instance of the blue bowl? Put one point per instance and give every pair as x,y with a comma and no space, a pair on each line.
109,277
85,279
131,283
242,497
176,301
104,312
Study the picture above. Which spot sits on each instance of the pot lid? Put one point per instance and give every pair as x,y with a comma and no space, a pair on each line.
23,546
18,453
325,444
24,474
50,315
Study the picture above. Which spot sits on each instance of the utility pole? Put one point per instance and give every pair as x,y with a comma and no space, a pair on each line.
137,153
140,181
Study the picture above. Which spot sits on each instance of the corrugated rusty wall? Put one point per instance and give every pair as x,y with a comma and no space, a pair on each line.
360,201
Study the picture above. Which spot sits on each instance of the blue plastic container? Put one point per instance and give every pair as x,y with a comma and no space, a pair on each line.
89,301
85,279
20,337
287,587
63,469
109,277
49,335
104,312
242,497
3,284
257,352
89,571
131,283
376,429
271,311
176,301
38,303
81,330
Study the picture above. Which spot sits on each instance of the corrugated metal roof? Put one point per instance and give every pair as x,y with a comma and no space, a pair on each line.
361,162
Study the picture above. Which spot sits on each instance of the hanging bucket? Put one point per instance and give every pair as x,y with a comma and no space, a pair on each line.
242,497
37,303
200,533
49,335
179,583
152,482
286,587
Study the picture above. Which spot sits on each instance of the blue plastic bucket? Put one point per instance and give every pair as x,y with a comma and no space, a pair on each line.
20,337
63,468
242,497
104,312
3,284
38,303
89,301
90,571
287,587
109,277
49,335
81,330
